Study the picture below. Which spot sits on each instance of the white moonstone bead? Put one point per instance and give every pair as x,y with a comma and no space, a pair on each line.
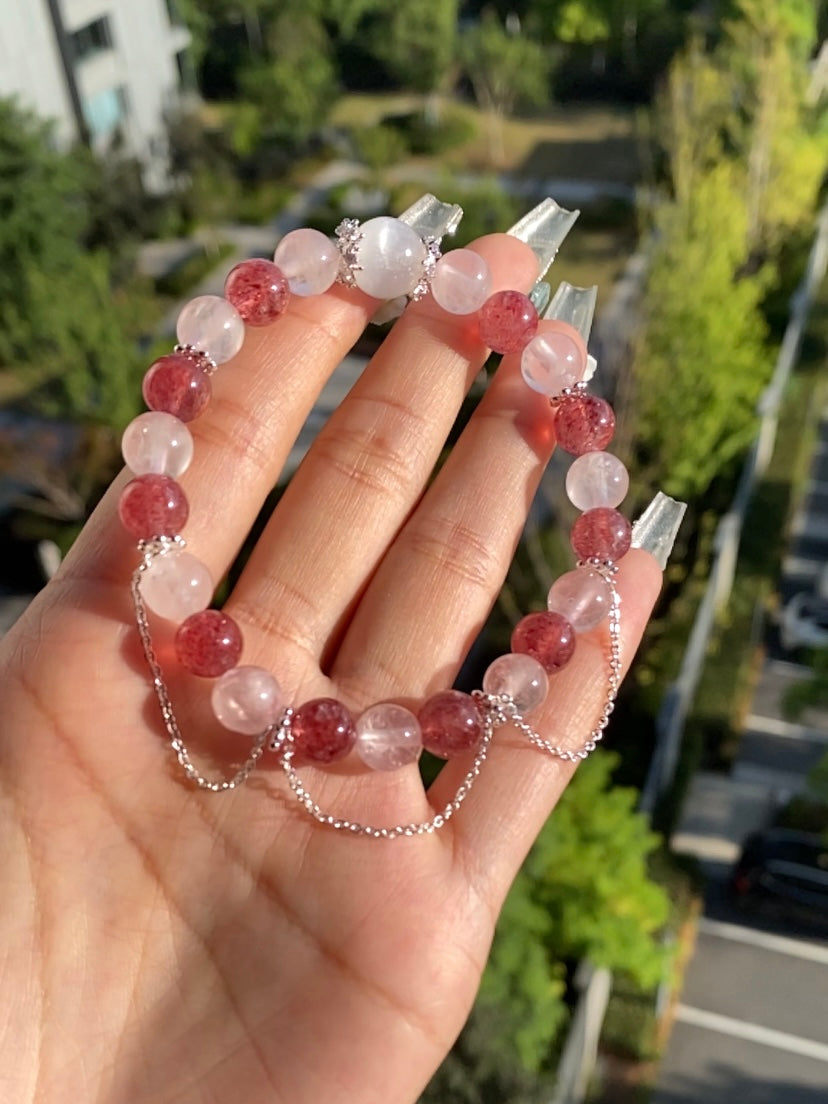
156,443
309,261
582,596
597,479
212,325
552,361
176,585
391,256
247,699
521,677
388,737
462,282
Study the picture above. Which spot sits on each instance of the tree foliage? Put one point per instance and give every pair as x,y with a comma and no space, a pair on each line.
66,339
583,892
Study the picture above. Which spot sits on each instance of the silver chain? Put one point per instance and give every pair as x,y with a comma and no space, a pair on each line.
496,710
149,550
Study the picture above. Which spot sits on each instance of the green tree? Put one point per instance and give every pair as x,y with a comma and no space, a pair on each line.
701,362
295,85
64,343
416,42
584,892
505,70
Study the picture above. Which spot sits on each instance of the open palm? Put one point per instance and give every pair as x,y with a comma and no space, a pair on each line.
162,944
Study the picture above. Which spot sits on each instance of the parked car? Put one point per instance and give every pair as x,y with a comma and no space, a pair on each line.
804,622
784,867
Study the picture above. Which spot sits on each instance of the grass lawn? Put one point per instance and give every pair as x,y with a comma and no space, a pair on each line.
582,142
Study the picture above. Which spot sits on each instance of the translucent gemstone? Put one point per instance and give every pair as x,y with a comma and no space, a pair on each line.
388,737
247,699
391,255
211,325
157,443
177,384
208,643
521,677
323,731
597,479
584,423
462,282
507,321
554,359
601,533
258,290
153,506
450,723
309,260
176,585
582,596
547,637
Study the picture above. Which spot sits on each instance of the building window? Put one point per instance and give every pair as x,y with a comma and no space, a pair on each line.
92,39
105,112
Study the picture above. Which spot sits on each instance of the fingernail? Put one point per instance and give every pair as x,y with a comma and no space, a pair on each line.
656,529
431,218
575,305
543,229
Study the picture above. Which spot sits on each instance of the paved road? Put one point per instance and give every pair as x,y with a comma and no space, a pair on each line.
751,1026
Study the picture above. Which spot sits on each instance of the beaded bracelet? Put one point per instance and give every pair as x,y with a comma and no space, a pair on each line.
387,258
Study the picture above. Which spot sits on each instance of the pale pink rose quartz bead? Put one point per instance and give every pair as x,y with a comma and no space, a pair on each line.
519,676
247,700
582,596
176,585
388,737
597,479
309,261
157,443
462,282
555,359
211,325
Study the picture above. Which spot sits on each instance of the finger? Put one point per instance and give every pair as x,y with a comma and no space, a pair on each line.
365,472
260,401
451,558
519,784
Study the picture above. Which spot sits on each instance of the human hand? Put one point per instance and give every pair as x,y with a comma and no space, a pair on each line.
164,945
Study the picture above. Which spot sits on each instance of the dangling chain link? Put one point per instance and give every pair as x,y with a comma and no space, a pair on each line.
496,710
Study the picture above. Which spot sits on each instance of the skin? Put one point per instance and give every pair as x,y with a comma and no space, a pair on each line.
162,945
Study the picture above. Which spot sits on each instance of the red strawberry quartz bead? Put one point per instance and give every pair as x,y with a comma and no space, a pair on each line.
258,290
208,643
584,423
153,506
601,534
547,637
450,723
177,384
507,321
323,731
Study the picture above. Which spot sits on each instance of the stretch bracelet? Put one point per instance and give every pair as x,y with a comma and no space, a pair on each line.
388,258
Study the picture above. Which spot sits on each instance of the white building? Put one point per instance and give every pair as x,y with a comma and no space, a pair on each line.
106,71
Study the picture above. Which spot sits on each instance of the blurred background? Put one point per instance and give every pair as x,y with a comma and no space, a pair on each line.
666,939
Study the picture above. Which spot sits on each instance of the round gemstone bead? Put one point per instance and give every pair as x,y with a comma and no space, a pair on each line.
584,423
462,281
247,699
547,637
323,731
507,321
211,325
554,359
258,290
391,256
309,261
176,585
602,533
597,479
208,643
153,506
521,677
582,596
388,737
178,385
157,443
450,723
